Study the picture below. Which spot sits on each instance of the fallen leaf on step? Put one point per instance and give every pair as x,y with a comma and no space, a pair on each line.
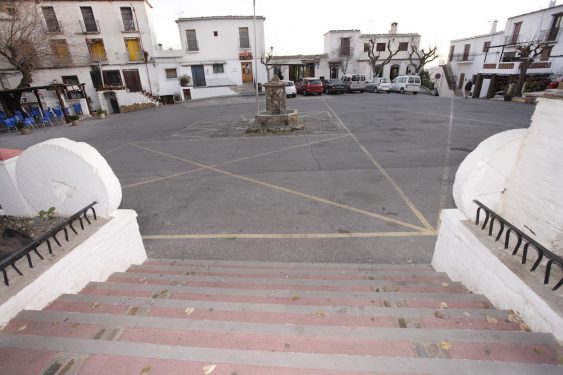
320,313
146,370
94,305
75,325
445,285
208,369
443,305
492,319
445,345
466,313
440,314
21,328
189,310
538,350
295,298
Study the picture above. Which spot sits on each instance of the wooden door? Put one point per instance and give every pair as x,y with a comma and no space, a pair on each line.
452,49
132,80
466,52
198,75
461,79
246,69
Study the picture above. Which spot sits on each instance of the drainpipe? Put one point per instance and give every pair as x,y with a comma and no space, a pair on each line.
145,54
255,61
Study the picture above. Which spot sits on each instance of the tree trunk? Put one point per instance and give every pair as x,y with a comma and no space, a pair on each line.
521,78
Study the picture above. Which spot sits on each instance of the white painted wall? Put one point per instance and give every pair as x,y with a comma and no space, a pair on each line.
11,200
533,200
113,248
223,48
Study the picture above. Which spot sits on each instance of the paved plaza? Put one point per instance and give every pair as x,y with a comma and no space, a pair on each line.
366,185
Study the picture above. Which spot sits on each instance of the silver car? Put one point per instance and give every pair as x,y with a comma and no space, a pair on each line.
378,84
290,89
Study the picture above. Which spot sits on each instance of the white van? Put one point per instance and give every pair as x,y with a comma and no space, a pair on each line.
404,84
355,82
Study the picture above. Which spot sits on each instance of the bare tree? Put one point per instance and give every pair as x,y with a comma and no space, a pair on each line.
24,44
387,59
373,54
419,58
527,51
346,54
266,60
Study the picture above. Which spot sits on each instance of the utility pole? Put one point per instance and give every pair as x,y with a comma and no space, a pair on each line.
255,61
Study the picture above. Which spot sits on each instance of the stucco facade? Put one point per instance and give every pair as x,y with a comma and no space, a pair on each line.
492,58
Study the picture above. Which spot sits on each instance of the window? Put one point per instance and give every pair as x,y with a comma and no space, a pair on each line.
380,47
11,11
344,47
243,37
112,78
97,49
215,33
51,22
90,24
546,53
509,57
72,92
466,49
366,47
70,80
486,46
411,79
61,52
171,73
516,32
403,46
555,27
192,40
218,68
134,50
128,20
451,56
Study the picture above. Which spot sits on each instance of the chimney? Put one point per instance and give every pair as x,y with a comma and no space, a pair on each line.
393,29
494,27
551,4
159,47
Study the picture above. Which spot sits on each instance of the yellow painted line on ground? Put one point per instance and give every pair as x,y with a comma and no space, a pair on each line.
289,191
390,179
203,139
274,236
229,161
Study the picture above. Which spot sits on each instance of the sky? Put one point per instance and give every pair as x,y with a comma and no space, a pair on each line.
297,26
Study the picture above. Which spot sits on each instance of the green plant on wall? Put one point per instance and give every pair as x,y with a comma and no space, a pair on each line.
47,214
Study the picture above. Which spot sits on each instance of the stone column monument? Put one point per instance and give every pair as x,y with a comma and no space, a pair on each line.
276,117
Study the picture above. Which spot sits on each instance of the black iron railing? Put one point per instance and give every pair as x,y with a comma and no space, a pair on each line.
26,251
491,217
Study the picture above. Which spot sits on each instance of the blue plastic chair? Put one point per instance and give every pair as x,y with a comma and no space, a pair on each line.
10,123
48,116
77,109
58,113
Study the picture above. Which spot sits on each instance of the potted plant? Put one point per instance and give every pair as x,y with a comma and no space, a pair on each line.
74,119
185,80
102,113
20,125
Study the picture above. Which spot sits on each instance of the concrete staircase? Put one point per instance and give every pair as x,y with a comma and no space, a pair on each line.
452,83
212,317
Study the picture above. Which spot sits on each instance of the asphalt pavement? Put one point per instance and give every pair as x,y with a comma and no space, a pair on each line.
366,186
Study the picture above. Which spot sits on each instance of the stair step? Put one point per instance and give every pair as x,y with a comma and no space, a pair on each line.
291,283
203,270
225,359
308,315
284,296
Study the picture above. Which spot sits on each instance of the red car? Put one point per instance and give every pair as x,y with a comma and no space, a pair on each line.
308,86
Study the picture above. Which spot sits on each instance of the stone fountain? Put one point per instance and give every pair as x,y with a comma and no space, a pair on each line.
276,117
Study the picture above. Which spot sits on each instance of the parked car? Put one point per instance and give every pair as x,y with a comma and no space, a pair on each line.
332,86
290,89
355,82
378,84
309,85
405,84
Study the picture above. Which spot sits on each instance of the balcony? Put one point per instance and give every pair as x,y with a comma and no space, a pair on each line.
541,36
52,26
90,26
129,27
463,57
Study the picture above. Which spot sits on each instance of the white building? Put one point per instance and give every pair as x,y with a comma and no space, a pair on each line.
219,54
491,60
114,37
345,52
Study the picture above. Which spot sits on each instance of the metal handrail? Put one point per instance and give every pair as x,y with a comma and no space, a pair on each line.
25,251
542,252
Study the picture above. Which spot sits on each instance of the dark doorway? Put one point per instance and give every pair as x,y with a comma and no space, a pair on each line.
394,71
461,79
198,75
132,80
111,100
334,69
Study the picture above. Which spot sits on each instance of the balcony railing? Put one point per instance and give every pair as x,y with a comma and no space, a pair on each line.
541,36
462,57
52,26
90,26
